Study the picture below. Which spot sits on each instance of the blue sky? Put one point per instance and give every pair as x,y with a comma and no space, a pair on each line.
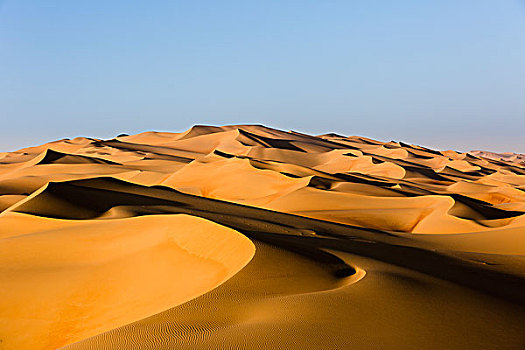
445,74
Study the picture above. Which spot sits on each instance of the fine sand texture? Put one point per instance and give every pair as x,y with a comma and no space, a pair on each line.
248,237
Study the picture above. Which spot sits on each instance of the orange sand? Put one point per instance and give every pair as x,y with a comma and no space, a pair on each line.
146,241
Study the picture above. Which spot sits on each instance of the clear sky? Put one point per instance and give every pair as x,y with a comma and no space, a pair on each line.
445,74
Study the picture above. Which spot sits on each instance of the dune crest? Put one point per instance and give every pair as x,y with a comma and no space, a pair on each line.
82,278
146,241
517,158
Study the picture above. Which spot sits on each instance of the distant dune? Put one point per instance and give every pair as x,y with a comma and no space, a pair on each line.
517,158
248,237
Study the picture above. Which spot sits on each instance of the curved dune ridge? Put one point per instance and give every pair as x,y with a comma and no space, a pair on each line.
82,278
146,242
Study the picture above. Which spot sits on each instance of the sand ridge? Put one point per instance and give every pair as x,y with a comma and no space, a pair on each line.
348,230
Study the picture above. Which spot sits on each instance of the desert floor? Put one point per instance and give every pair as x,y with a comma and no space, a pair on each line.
248,237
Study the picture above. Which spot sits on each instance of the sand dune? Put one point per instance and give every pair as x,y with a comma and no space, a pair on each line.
78,280
516,158
146,241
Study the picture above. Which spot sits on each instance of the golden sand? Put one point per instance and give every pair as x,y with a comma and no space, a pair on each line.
146,242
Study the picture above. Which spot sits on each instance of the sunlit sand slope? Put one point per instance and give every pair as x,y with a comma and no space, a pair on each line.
353,180
146,241
79,279
282,300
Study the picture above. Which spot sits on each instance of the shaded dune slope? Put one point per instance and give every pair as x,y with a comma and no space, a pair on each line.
106,198
359,243
284,301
